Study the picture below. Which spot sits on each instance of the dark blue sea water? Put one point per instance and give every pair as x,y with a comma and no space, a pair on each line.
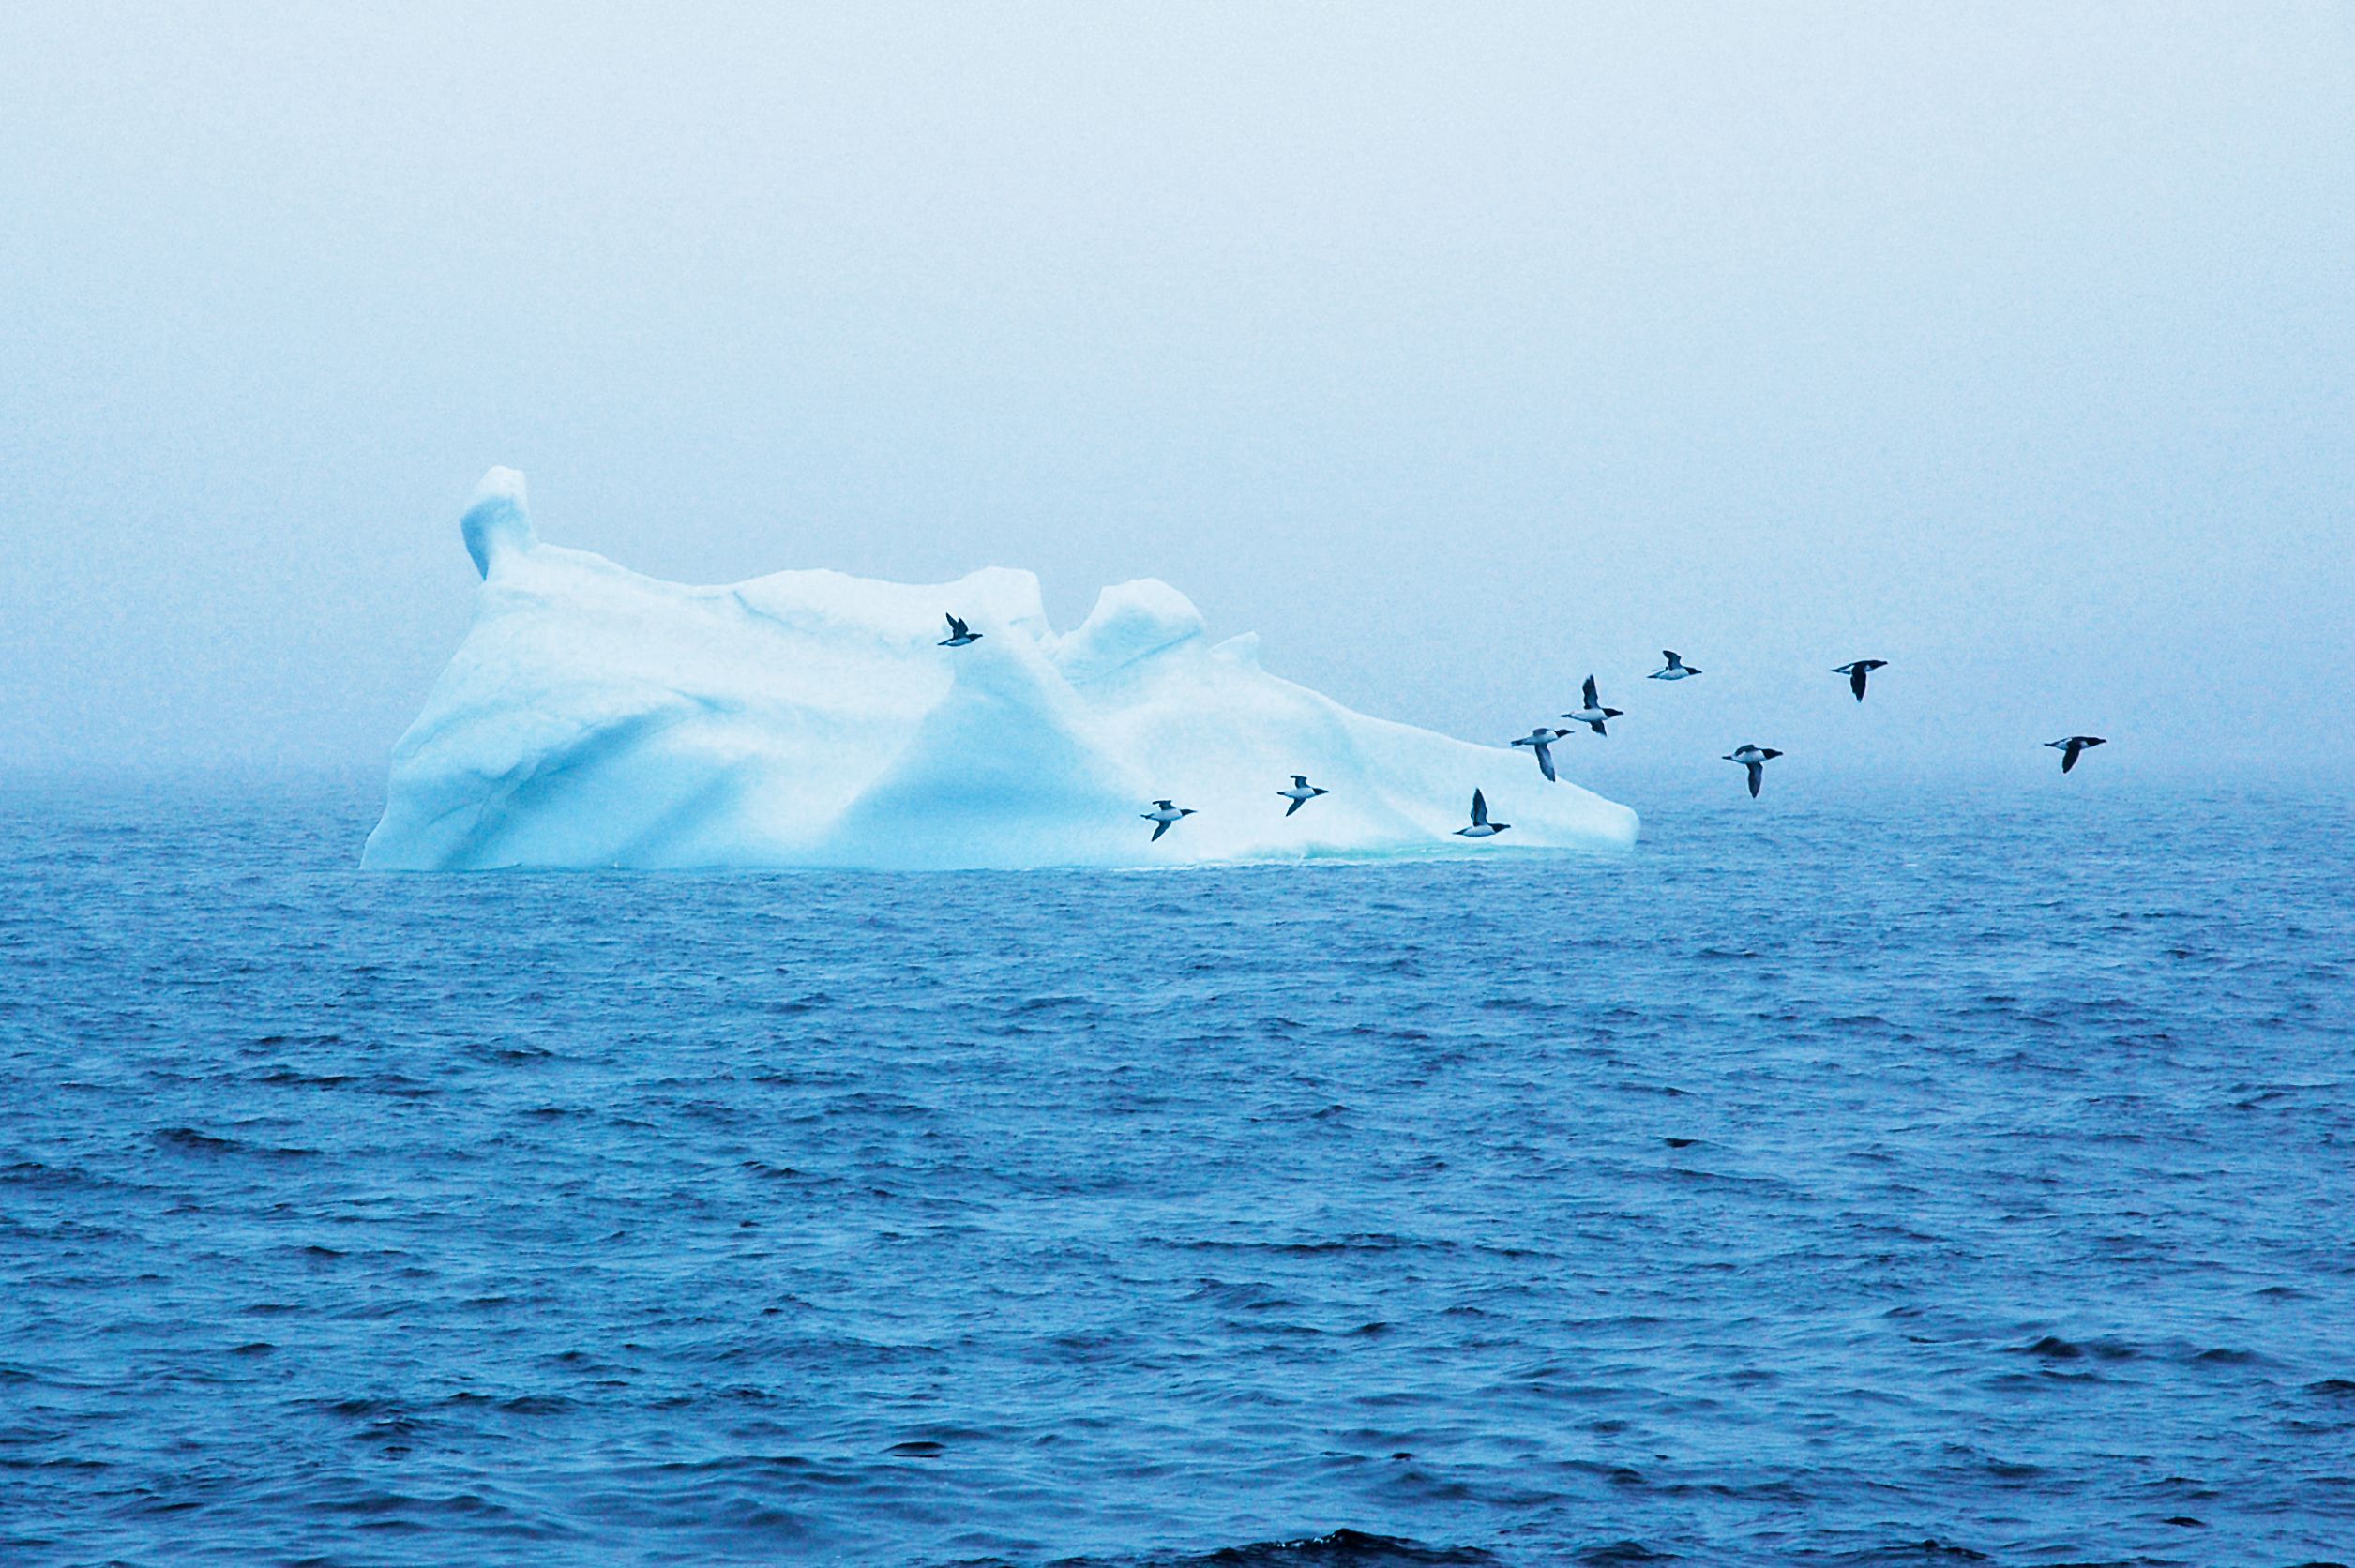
1921,1181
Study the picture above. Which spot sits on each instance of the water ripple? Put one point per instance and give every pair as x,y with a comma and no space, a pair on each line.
1907,1182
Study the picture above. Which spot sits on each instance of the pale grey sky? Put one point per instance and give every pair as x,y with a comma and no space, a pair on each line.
1458,350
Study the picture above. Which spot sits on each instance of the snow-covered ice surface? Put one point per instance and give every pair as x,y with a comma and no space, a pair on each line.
597,717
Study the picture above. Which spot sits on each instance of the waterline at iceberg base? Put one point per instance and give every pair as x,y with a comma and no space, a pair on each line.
596,718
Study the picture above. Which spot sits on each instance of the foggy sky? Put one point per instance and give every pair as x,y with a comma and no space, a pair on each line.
1459,351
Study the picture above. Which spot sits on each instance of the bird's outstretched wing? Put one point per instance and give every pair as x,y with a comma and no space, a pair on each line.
2069,755
1669,654
1298,801
1545,762
1758,775
1856,673
1158,829
1479,809
1590,693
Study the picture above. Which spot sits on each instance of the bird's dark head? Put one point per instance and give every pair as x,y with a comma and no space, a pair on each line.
1185,810
1770,751
1610,713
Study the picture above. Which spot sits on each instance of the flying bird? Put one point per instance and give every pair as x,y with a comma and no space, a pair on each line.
1754,758
2073,746
1856,672
958,637
1676,669
1481,827
1300,795
1541,740
1593,713
1162,815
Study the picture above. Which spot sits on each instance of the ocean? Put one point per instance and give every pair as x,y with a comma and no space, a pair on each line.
1907,1178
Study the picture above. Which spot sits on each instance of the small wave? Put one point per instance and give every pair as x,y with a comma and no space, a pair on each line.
1364,1241
1623,1554
189,1141
33,1173
2053,1347
1341,1548
2227,1355
282,1077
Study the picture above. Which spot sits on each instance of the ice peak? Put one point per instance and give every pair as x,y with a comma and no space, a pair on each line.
497,519
1131,622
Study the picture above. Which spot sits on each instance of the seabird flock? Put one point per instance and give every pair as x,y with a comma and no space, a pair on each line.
1590,713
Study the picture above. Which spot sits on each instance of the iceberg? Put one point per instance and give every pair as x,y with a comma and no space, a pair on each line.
596,718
